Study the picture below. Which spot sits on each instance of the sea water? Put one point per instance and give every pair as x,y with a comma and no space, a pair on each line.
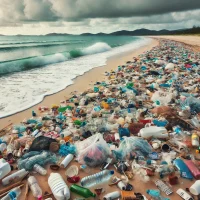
32,67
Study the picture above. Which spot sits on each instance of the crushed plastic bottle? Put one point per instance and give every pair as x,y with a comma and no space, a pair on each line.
97,178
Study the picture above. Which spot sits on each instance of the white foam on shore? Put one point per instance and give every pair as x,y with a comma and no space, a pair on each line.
23,90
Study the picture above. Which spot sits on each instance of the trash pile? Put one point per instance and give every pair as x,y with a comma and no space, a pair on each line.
143,122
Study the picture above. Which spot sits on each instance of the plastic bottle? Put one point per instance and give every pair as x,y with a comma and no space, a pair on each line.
58,187
3,147
153,131
4,168
97,178
195,140
84,192
13,194
40,170
35,188
67,160
112,195
155,194
17,175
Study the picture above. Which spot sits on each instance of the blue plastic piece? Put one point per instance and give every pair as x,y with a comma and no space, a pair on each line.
160,123
67,149
181,166
123,132
165,85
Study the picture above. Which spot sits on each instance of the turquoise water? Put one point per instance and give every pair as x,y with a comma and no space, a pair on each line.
19,53
32,67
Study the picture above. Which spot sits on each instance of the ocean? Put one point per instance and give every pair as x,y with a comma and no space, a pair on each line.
32,67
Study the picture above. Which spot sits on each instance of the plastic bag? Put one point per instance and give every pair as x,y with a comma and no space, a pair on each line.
93,151
163,97
130,144
43,143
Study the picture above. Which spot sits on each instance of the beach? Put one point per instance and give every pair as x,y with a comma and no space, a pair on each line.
80,84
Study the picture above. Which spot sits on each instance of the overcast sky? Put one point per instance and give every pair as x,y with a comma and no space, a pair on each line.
79,16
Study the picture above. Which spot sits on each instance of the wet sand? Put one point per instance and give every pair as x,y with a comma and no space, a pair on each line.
80,84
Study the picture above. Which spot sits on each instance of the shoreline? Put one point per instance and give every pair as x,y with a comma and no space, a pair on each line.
80,83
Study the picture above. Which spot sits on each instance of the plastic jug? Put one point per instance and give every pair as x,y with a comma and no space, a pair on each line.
153,131
58,187
4,168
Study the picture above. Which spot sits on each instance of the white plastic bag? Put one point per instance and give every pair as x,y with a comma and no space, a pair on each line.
93,151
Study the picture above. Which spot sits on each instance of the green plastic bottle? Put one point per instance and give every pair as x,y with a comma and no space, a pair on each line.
84,192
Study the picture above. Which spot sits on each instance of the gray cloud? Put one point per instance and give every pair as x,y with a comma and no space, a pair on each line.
76,16
73,10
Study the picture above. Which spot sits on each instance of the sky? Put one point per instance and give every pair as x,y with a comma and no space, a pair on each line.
36,17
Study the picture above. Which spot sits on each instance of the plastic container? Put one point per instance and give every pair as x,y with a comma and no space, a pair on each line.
112,195
4,168
17,175
195,140
40,170
3,147
13,194
97,178
58,187
35,188
193,169
66,161
84,192
153,131
195,188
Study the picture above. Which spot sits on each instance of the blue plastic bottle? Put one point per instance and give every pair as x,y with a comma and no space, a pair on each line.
155,194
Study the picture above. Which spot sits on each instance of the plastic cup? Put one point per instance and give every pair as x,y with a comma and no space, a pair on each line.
195,188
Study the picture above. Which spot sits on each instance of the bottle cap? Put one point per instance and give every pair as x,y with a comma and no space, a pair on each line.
39,197
112,172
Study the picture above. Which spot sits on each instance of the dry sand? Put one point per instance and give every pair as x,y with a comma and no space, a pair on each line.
80,84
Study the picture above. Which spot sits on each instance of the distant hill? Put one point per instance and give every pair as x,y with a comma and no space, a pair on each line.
57,34
144,32
138,32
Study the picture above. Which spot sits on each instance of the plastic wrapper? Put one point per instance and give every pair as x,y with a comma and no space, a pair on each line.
93,151
130,144
36,157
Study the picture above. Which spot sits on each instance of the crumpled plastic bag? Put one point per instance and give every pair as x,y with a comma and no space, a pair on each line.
93,151
163,97
191,102
130,144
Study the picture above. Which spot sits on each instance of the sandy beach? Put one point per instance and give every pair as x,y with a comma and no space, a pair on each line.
80,84
193,41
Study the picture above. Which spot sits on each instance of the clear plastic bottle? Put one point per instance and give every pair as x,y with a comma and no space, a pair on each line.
97,178
40,170
35,188
13,194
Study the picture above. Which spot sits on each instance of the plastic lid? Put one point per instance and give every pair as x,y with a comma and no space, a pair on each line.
112,172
